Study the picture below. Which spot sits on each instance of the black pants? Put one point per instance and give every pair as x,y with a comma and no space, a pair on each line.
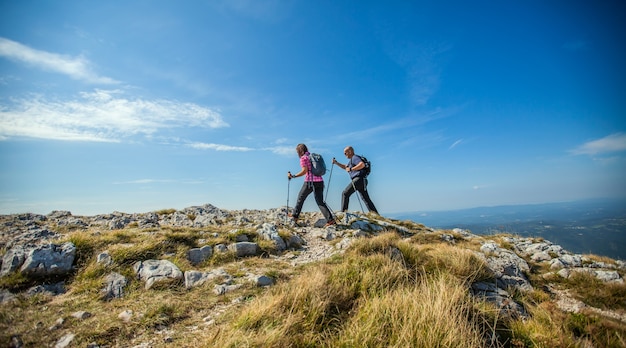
358,184
305,191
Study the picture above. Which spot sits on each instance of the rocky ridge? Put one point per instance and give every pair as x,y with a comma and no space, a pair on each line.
32,248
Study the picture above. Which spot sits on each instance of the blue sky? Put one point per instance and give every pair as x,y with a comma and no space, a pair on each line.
137,106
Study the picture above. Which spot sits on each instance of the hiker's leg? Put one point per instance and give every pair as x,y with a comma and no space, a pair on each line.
345,196
361,186
305,191
319,199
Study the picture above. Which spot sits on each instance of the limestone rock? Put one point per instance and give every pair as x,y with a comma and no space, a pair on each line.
152,271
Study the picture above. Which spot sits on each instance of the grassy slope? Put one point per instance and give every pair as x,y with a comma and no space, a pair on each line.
385,291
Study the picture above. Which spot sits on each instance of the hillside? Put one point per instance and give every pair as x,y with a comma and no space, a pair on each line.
595,226
207,277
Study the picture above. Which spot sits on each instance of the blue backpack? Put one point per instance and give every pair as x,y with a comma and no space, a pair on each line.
318,166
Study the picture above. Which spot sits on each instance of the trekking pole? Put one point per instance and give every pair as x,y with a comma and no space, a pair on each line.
358,195
327,189
329,178
288,184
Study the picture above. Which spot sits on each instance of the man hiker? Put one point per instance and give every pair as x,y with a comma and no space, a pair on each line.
358,180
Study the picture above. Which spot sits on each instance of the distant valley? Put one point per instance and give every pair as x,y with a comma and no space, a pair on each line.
590,226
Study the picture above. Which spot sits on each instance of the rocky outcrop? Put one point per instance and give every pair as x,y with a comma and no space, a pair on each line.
39,261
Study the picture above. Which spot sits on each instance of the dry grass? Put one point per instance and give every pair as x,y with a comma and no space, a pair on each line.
385,291
363,301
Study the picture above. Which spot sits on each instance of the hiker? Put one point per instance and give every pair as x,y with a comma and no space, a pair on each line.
312,183
358,180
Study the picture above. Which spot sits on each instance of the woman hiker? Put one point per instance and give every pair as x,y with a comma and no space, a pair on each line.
312,183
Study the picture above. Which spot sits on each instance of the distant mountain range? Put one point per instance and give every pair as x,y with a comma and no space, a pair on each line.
589,226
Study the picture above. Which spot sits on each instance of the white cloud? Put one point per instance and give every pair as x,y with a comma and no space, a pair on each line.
455,144
100,116
143,181
156,181
283,150
78,68
219,147
611,143
278,150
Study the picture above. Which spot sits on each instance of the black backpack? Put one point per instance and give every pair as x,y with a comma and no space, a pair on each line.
368,166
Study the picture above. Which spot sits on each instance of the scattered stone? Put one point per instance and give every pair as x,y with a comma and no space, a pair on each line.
223,289
16,342
114,286
6,296
153,271
269,231
65,341
81,315
261,280
196,278
104,259
57,324
126,315
47,289
448,238
198,255
501,298
244,249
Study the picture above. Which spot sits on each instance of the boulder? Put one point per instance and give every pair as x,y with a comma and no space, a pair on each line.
40,261
244,249
12,260
492,293
198,255
114,286
153,271
49,259
196,278
268,231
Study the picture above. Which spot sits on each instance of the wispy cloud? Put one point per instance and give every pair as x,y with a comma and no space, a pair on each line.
156,181
282,150
219,147
419,61
455,144
143,181
104,116
278,150
78,68
402,123
611,143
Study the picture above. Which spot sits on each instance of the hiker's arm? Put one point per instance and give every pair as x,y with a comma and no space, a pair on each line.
359,166
301,172
342,166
